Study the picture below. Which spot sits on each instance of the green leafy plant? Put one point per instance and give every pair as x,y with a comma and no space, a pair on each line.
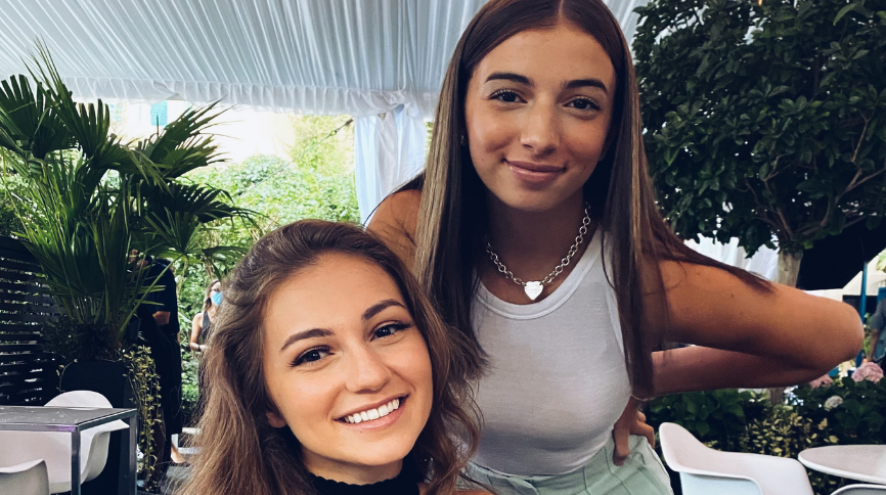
84,199
765,119
146,388
91,198
718,418
856,418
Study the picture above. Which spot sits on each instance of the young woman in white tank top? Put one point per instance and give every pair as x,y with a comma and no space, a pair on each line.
535,231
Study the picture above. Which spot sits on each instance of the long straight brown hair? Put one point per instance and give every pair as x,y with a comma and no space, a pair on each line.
240,451
453,216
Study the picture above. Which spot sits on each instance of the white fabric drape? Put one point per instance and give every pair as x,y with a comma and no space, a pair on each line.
392,148
764,262
358,57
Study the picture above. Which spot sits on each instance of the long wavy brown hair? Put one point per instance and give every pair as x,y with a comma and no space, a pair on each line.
240,451
453,216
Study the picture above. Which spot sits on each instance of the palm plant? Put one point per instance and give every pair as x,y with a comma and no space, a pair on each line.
93,198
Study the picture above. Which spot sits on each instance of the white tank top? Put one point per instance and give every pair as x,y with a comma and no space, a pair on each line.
557,379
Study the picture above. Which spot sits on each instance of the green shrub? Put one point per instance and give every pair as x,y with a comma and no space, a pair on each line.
190,391
718,418
858,419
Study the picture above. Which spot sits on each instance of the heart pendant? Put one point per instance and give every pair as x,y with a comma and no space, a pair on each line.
533,289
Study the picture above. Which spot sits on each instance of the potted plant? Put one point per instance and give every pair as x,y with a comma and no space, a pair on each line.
91,199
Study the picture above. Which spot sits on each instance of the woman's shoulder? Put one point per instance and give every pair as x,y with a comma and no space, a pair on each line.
399,209
395,220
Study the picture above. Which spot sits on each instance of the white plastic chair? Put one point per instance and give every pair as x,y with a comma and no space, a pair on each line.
705,471
55,448
27,478
861,490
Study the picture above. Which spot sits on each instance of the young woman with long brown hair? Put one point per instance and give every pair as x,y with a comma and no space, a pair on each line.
329,372
535,231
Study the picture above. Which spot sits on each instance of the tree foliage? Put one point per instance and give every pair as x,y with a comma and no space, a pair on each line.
316,181
765,119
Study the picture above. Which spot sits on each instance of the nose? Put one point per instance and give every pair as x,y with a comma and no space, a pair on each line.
368,372
540,133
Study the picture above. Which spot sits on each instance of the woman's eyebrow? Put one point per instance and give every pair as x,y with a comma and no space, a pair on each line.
583,83
520,79
379,306
307,334
510,76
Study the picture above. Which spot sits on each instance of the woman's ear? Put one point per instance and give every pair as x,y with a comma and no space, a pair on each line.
274,418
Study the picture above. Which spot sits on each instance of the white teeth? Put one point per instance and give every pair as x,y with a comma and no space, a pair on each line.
372,414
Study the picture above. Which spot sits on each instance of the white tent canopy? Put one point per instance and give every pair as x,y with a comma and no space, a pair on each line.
381,61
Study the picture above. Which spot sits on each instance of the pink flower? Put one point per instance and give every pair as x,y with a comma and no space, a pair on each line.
868,371
822,381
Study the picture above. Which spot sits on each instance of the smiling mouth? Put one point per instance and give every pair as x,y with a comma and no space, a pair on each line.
538,168
370,415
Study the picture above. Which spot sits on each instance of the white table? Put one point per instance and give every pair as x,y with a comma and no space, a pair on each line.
73,420
856,462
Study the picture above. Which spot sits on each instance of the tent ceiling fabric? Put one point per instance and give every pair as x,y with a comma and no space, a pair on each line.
357,57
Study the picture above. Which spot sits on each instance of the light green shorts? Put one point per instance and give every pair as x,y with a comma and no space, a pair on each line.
641,474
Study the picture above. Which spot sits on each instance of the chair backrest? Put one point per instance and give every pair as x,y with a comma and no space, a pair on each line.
94,441
79,398
738,473
861,490
27,478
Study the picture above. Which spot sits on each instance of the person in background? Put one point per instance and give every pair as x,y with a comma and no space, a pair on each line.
201,330
877,323
165,314
202,323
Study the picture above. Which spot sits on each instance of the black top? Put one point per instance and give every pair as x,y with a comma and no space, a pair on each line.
406,483
166,297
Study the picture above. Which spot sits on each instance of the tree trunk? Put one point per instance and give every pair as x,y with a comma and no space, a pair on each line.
788,269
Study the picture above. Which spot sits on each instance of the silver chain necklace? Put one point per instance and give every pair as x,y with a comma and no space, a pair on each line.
533,288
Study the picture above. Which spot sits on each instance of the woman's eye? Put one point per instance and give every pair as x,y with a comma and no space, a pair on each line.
583,104
390,329
505,96
310,356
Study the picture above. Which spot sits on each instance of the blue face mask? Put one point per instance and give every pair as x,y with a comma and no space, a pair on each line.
216,298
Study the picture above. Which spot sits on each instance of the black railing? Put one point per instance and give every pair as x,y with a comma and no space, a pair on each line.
28,376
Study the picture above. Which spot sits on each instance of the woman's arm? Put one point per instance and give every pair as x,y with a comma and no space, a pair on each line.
749,337
704,368
196,326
